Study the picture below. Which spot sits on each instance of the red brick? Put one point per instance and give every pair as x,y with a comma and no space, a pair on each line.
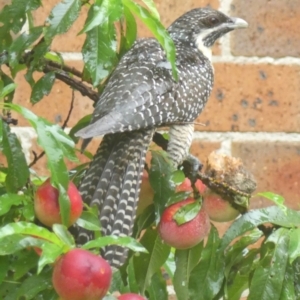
55,106
202,149
254,97
276,167
273,28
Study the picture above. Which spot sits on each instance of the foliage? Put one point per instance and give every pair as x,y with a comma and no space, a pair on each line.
251,255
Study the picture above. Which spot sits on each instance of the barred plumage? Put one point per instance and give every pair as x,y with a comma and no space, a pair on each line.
140,96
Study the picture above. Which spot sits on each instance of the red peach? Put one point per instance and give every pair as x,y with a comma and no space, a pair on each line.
46,205
218,209
81,275
186,186
186,235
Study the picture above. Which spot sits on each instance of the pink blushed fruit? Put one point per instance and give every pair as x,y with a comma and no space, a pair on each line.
218,209
186,235
46,205
81,275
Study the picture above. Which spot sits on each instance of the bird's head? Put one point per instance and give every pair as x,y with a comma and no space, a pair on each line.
201,27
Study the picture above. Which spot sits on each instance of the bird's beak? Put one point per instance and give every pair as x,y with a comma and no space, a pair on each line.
238,23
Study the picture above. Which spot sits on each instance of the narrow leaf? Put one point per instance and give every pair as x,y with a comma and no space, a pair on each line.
15,160
125,241
253,218
29,229
99,52
8,200
63,234
101,12
151,5
146,265
277,199
268,278
21,43
160,180
186,260
42,87
207,277
62,17
187,212
158,288
157,29
294,246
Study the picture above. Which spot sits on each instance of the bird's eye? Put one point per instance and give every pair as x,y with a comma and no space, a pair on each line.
213,20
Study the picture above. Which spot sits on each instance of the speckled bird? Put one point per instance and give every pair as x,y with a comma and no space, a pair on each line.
140,96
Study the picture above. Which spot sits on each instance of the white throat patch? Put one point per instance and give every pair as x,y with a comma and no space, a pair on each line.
199,42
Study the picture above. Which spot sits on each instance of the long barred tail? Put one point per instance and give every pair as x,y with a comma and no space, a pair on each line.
112,182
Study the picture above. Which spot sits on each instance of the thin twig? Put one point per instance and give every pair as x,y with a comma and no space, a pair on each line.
36,158
74,83
70,111
65,68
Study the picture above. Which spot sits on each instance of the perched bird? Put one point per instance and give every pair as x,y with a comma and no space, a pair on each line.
140,96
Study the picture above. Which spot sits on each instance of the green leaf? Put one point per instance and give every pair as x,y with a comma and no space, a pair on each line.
151,5
9,88
21,43
158,289
64,235
296,269
186,260
4,267
99,52
187,212
178,176
131,277
57,145
238,273
29,229
268,278
16,242
160,180
62,17
8,200
15,160
23,262
253,218
102,12
125,241
131,31
14,16
233,252
277,199
157,29
146,265
42,87
288,288
144,220
50,252
207,277
89,221
34,284
294,246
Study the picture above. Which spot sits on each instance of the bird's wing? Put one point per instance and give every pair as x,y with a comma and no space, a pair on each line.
141,93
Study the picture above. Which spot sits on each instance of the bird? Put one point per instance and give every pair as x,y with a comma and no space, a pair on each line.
140,96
